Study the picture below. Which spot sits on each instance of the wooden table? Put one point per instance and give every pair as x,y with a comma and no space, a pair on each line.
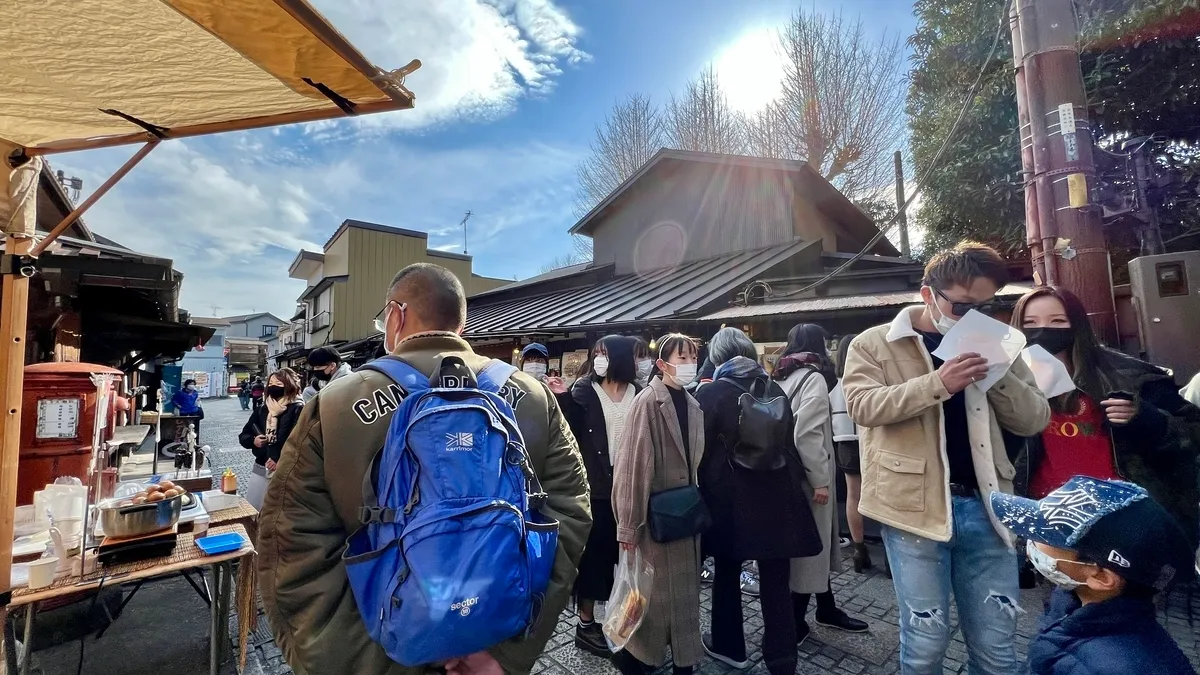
245,515
187,556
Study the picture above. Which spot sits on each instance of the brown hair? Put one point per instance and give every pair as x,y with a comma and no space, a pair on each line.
290,380
963,264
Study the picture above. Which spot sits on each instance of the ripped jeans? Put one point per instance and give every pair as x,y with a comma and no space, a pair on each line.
981,572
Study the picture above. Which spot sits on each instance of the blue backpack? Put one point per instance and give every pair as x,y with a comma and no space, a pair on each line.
453,556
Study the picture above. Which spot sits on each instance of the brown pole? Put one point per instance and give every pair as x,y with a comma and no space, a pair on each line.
1033,230
14,307
93,198
1076,254
901,214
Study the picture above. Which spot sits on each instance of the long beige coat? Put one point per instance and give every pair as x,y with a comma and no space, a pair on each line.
652,459
813,433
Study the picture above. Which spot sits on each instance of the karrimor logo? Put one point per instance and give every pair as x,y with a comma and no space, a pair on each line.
460,442
464,608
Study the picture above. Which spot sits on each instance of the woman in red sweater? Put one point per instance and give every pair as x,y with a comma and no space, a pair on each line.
1124,421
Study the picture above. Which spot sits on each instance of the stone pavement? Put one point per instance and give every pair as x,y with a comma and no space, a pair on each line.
869,596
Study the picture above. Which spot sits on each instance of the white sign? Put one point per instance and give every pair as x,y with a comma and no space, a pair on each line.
1066,118
58,418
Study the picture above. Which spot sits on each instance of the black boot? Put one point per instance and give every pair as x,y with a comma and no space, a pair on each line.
861,557
590,638
830,616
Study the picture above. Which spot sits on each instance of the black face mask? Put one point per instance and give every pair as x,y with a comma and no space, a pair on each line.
275,392
322,375
1053,340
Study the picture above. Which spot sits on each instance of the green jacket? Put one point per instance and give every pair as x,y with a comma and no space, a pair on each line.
312,506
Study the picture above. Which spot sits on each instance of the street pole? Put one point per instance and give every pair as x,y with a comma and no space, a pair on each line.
1073,244
1033,231
901,214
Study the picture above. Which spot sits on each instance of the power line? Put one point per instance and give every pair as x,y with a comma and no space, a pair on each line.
924,176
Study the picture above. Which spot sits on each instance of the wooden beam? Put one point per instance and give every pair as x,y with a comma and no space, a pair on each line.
14,306
321,114
94,197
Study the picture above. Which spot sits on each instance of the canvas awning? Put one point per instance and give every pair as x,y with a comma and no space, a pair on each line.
92,73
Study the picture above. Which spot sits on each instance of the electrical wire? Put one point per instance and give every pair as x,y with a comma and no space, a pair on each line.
924,178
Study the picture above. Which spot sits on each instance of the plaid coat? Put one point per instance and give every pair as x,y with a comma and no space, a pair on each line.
651,459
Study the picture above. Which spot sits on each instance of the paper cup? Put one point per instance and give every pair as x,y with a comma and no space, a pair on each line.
41,572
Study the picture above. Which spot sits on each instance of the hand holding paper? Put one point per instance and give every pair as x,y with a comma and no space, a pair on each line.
977,334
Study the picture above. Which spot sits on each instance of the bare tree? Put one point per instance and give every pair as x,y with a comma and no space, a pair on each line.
624,142
842,106
702,119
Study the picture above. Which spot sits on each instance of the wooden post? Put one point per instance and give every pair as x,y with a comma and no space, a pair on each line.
14,308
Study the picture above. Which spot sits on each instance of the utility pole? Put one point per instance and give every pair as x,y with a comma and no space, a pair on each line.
464,227
1073,250
901,214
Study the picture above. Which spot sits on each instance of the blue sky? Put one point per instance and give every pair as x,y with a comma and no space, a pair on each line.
507,102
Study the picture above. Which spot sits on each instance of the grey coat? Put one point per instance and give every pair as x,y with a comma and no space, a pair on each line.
814,441
652,459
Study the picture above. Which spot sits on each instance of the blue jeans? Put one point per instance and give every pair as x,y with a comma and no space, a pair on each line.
981,572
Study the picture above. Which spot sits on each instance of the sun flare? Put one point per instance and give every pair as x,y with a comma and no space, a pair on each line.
750,70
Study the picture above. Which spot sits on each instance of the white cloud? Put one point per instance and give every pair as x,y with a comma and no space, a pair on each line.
480,57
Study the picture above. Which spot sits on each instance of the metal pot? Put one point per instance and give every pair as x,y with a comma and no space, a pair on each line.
138,519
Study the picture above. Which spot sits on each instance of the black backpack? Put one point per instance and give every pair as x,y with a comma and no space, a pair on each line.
764,425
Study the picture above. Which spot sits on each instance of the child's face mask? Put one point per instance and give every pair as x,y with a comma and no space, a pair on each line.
1048,567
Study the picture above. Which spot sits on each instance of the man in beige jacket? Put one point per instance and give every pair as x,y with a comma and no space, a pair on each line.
931,445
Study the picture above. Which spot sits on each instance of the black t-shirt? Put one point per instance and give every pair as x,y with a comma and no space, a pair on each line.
679,398
954,412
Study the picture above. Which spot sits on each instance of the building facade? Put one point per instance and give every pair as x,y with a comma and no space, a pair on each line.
207,363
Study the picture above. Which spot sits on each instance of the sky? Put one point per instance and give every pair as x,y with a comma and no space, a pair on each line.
507,101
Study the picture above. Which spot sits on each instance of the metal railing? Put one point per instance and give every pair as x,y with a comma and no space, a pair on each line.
319,322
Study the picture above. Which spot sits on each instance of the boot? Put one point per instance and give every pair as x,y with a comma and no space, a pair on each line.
861,557
800,612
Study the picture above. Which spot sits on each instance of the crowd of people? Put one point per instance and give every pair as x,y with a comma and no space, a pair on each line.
681,452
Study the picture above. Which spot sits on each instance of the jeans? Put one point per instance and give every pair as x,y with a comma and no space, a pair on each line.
981,572
779,626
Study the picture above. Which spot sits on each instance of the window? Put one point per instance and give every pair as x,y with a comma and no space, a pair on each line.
269,331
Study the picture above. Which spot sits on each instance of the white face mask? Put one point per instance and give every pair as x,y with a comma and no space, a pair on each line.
535,368
943,323
685,373
600,365
645,367
190,387
1048,567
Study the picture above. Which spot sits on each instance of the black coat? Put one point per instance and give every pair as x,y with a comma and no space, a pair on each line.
757,515
581,407
1159,450
257,424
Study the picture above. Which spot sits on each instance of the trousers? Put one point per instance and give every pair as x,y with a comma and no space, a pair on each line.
779,623
980,570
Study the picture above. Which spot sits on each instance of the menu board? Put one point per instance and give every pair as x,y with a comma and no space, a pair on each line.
571,364
58,418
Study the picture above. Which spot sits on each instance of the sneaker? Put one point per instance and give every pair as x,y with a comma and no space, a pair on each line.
842,621
733,663
750,584
845,542
708,571
590,638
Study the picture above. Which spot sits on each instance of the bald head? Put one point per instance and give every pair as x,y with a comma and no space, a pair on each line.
434,297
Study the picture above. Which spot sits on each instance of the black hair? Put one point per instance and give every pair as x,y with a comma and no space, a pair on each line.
962,264
433,295
640,347
187,382
622,367
807,337
676,343
323,356
839,361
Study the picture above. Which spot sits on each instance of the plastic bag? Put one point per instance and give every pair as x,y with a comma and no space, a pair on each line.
630,596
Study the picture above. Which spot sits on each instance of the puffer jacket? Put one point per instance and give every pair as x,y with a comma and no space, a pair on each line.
895,396
1158,450
1114,637
313,502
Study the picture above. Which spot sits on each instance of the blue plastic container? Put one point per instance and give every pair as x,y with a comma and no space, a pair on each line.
221,543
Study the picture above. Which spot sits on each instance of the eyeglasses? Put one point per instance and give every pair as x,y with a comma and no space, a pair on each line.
987,307
379,321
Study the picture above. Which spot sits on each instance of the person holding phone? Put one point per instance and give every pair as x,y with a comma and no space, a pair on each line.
1124,421
268,429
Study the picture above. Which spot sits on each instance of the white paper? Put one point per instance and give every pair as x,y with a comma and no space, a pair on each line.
1051,375
995,341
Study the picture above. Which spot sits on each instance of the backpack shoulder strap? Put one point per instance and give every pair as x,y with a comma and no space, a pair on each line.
494,375
409,378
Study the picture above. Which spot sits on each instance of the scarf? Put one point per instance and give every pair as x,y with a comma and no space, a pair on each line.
739,368
275,408
793,362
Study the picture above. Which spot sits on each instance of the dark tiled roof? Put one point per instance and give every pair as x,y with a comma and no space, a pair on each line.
674,292
838,303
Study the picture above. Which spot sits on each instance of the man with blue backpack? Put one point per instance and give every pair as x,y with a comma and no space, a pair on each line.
429,510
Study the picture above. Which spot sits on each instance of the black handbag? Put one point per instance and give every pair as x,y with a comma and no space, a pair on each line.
679,512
